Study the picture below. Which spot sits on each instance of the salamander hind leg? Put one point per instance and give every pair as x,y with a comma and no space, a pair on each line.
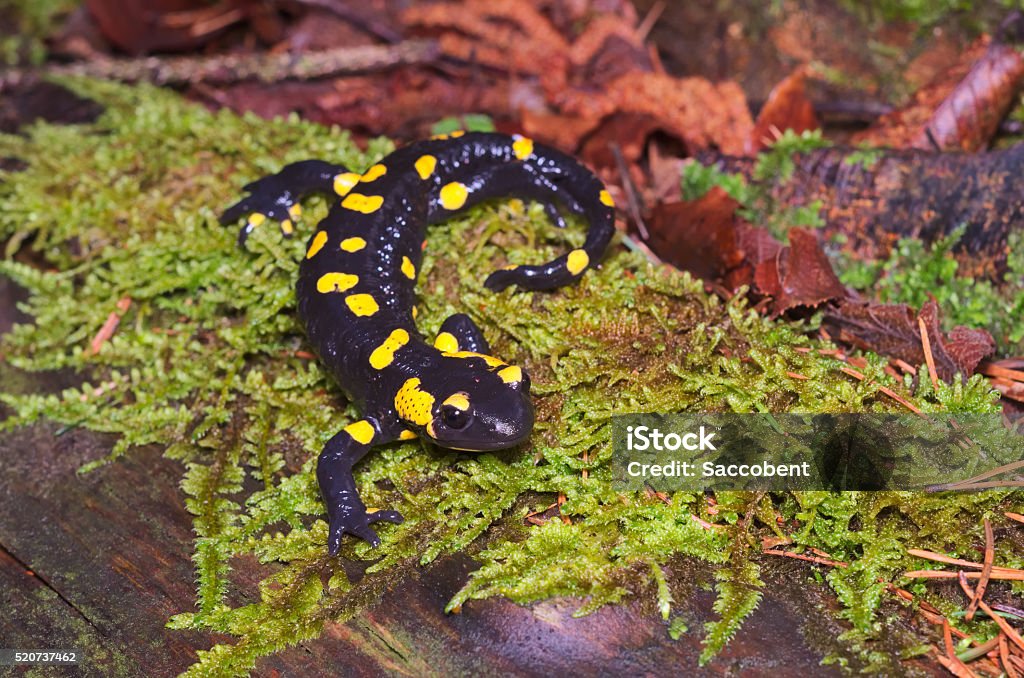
345,510
277,196
460,333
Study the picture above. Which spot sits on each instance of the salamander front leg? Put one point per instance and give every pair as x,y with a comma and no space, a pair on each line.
460,333
277,196
345,510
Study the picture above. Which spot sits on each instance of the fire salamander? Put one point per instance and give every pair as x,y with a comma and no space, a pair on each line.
355,295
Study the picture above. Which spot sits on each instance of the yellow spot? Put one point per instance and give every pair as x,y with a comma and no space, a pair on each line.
606,198
415,312
384,354
287,227
295,211
361,431
336,282
457,133
407,435
453,195
439,137
319,240
425,166
353,244
446,342
413,404
362,304
511,374
522,147
509,267
367,204
408,269
255,219
344,182
374,173
577,261
489,359
459,401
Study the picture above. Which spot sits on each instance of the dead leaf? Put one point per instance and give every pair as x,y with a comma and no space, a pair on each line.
960,110
787,107
700,236
707,238
893,330
798,275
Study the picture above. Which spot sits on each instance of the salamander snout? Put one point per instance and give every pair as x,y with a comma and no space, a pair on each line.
489,412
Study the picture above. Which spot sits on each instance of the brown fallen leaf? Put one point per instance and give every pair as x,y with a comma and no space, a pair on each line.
893,330
707,238
787,107
962,109
697,111
626,131
140,26
701,236
798,275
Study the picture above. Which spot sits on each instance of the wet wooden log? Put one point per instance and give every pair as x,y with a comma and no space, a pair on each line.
876,198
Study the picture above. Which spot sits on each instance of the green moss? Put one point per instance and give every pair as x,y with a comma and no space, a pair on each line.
205,362
914,272
926,13
757,204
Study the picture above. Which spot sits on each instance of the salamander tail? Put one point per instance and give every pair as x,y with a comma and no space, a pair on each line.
599,209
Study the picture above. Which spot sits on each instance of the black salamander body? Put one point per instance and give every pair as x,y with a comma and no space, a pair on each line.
356,295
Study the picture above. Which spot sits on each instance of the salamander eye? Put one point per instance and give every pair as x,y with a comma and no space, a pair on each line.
454,418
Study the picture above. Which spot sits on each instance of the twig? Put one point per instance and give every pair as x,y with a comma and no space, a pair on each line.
905,366
543,510
1004,657
1002,575
109,326
884,389
986,571
974,484
810,559
229,68
644,29
632,196
947,640
939,558
929,359
990,369
1014,516
955,667
991,485
1010,632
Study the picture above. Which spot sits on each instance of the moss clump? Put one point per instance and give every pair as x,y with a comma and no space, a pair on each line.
979,16
206,361
757,204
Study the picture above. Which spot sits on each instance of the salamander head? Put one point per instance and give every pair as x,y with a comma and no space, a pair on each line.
469,403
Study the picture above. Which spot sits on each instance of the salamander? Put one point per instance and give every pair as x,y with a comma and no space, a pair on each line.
356,295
